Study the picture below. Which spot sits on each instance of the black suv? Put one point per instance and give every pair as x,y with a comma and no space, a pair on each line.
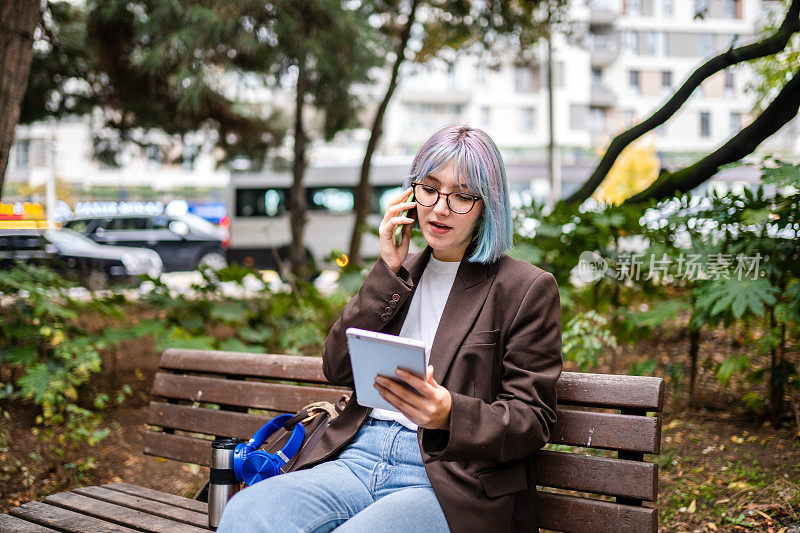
76,257
183,242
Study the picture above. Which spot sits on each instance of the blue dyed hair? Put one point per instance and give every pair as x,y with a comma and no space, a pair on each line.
479,167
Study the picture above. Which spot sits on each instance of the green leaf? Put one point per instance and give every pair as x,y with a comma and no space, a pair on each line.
735,363
230,312
235,345
643,368
782,175
258,335
733,297
19,355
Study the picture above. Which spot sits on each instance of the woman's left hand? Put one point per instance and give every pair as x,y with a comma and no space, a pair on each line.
429,409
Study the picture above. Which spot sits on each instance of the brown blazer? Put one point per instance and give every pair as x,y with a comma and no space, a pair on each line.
498,351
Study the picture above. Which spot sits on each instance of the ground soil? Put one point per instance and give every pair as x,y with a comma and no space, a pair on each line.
723,468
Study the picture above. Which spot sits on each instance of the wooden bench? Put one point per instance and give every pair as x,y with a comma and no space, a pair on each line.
604,485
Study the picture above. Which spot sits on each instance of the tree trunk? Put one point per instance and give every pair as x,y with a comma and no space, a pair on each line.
766,47
18,19
694,347
297,193
363,193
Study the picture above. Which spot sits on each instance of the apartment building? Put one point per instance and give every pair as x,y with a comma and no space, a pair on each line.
614,63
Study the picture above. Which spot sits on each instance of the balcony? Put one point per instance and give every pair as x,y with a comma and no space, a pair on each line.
603,49
602,96
602,13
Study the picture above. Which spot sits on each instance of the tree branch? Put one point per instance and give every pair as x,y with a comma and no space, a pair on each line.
766,47
779,112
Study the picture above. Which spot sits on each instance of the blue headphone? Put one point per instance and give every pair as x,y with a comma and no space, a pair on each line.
251,465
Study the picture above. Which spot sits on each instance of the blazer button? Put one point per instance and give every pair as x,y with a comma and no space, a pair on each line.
388,310
392,304
395,297
384,317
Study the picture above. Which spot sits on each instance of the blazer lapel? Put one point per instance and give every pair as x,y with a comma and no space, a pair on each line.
415,264
466,299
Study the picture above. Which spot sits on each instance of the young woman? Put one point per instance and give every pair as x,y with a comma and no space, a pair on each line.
458,456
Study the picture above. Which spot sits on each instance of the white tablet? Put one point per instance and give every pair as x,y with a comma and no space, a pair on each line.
378,354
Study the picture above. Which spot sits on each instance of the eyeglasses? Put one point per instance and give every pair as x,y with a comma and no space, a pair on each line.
459,202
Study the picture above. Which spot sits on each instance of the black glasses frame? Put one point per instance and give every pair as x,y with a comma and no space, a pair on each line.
446,197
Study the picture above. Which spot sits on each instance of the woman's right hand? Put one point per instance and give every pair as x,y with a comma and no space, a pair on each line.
392,255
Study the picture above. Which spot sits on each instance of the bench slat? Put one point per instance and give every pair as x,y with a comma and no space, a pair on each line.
572,514
178,447
575,428
143,504
258,395
118,514
601,475
592,429
158,496
201,420
579,388
12,524
64,519
610,390
293,367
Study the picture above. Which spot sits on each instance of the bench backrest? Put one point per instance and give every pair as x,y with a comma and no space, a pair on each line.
603,485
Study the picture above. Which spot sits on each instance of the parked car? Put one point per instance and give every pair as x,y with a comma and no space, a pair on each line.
78,258
183,242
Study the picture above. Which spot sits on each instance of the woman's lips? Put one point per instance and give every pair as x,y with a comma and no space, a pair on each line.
439,229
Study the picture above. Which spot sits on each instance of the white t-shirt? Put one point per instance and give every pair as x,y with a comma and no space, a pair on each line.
423,317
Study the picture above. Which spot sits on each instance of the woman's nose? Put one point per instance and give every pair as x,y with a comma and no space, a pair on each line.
441,207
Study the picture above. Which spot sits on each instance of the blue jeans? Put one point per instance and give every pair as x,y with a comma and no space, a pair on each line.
377,484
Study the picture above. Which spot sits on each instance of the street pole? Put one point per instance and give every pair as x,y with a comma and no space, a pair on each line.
552,149
50,185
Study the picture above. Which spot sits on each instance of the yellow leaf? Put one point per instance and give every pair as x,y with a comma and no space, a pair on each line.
692,507
160,459
712,526
635,169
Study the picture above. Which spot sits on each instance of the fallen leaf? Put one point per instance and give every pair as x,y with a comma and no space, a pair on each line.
692,507
712,526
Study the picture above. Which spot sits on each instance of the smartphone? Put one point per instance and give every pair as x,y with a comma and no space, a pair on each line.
398,231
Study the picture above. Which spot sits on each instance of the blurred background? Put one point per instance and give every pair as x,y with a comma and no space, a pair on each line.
211,175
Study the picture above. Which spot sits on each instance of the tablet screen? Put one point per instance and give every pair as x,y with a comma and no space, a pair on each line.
375,354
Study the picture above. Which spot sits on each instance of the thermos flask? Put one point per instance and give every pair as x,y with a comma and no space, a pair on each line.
222,482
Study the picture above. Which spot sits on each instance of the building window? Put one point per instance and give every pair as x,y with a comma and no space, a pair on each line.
523,82
527,117
706,44
629,44
666,80
633,82
655,42
480,75
597,119
597,76
153,155
628,117
729,83
577,117
735,122
701,8
705,124
732,9
633,8
666,8
189,155
486,116
22,152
